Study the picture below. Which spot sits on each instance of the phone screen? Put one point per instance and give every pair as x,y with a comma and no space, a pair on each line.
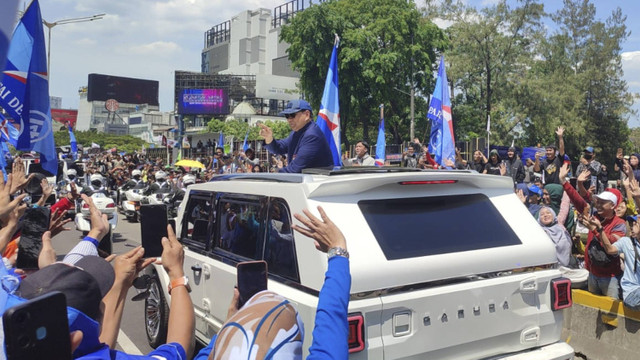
153,227
38,327
34,223
252,278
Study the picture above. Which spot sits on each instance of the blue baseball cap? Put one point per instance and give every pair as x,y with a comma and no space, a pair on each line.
294,106
589,149
534,190
632,218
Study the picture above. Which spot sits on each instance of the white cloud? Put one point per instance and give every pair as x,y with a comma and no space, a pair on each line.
157,48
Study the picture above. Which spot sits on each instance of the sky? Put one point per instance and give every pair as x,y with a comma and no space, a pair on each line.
150,39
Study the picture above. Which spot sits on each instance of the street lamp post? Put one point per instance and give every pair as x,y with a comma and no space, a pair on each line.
51,25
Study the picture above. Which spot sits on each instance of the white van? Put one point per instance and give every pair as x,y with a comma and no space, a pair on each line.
444,264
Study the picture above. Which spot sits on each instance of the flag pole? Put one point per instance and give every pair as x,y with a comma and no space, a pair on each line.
488,133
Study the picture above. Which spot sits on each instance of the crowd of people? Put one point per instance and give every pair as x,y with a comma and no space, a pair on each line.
592,225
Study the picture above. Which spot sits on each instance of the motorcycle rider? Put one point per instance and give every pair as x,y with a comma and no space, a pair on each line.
72,174
135,181
160,185
96,184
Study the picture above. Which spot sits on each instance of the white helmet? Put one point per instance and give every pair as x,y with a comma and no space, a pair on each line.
72,172
136,172
96,180
160,175
188,179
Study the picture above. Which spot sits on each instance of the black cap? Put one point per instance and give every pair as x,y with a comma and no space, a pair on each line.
84,285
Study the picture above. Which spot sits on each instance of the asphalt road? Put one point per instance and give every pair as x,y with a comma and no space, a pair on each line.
132,338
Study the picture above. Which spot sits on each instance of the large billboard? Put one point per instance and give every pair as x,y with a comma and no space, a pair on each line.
125,90
203,102
65,116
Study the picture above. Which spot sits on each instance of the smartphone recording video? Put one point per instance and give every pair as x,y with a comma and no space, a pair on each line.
38,329
153,227
252,278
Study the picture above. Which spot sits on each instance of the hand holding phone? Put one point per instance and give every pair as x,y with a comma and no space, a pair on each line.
34,224
153,227
252,278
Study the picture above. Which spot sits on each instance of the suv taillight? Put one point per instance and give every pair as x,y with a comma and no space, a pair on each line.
356,332
561,294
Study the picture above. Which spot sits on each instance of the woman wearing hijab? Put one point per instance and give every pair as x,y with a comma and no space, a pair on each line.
558,234
555,198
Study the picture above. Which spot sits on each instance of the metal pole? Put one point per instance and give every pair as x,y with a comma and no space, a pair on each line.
49,53
413,93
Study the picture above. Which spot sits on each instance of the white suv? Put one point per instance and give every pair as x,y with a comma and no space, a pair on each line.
444,264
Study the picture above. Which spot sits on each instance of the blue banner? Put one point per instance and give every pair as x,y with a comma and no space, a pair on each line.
245,146
329,115
382,142
74,144
221,140
24,91
8,17
442,140
8,133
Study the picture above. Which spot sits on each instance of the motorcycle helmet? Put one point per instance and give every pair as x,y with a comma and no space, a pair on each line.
188,180
160,175
136,174
71,174
96,180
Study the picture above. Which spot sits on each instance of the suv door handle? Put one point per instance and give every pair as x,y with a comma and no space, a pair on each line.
196,268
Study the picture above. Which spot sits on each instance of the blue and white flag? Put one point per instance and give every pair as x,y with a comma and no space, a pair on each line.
245,146
441,141
8,17
8,132
4,150
24,90
382,142
74,144
329,115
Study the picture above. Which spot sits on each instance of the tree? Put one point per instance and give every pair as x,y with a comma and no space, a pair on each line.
238,128
125,143
385,45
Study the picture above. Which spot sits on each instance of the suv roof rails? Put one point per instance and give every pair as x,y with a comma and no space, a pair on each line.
370,170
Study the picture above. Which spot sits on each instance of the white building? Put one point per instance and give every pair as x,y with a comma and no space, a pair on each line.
248,44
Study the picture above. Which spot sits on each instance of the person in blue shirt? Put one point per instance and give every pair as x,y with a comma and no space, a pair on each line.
630,247
306,146
246,332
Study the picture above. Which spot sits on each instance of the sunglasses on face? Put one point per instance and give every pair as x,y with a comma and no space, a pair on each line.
291,116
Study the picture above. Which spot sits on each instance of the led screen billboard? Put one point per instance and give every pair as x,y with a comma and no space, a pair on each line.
125,90
203,102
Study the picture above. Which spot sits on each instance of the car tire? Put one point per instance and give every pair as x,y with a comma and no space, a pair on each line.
156,314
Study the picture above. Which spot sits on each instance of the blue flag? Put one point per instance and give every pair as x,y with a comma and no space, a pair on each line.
74,144
329,115
382,142
8,133
24,91
221,140
441,141
245,146
4,150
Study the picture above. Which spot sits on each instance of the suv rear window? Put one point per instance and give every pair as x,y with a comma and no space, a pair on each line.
436,225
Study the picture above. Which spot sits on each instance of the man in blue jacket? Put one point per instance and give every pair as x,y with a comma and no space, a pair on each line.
306,146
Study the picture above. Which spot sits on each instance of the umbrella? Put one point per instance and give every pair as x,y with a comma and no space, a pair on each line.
190,163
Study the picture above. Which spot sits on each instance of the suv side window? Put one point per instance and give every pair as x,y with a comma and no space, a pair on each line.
198,215
280,251
240,226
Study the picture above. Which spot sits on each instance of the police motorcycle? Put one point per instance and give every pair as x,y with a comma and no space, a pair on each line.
64,187
174,201
103,201
130,195
157,192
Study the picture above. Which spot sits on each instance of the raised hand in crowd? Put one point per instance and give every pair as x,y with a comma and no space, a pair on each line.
99,222
47,254
503,169
19,173
57,223
47,190
126,268
584,176
6,204
564,171
325,233
521,196
560,131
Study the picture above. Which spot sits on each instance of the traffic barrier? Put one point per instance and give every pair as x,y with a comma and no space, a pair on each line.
599,327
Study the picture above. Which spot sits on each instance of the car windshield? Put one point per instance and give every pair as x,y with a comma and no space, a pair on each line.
414,227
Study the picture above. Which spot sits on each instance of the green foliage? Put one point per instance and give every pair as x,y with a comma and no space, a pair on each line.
530,80
385,44
238,128
126,143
